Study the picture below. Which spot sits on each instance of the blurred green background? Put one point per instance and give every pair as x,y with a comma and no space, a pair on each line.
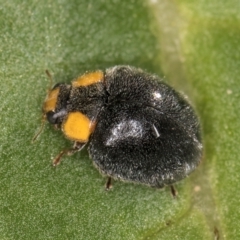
193,45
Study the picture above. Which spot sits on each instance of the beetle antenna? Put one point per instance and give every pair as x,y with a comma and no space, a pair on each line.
43,121
50,79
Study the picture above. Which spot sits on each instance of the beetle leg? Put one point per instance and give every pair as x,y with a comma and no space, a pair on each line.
173,191
108,185
69,151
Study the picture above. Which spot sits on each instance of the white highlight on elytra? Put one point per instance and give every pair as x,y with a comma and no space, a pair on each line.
125,129
156,131
157,95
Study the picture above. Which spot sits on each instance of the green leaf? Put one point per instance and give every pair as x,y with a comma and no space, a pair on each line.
195,44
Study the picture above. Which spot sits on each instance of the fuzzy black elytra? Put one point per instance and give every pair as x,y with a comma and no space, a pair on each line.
137,127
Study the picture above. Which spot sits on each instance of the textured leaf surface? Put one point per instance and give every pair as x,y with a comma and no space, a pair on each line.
195,44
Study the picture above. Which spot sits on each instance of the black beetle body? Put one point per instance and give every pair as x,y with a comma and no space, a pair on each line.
138,128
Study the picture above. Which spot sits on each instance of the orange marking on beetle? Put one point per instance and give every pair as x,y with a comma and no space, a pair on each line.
78,127
51,100
88,79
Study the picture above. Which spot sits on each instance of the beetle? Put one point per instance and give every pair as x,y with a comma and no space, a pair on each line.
137,127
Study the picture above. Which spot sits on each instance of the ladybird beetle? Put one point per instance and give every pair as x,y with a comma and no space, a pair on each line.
138,128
